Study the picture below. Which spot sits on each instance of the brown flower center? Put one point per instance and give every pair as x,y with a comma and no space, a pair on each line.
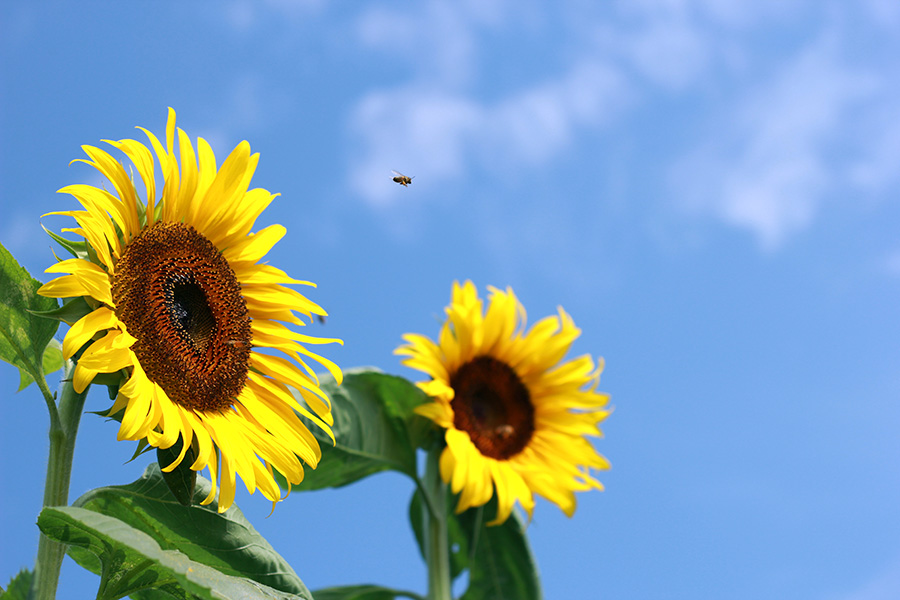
493,406
180,299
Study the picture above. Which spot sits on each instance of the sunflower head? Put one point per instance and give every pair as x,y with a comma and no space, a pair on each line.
178,303
515,413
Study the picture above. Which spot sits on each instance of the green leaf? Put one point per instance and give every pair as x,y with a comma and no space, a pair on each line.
226,542
133,561
498,558
18,586
23,336
375,429
502,566
51,363
363,592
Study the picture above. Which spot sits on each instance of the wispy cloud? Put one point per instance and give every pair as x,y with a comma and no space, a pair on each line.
436,123
885,13
437,40
243,15
441,132
890,264
884,585
782,135
769,160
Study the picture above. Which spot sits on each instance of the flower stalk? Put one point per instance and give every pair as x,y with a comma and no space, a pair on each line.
63,432
437,546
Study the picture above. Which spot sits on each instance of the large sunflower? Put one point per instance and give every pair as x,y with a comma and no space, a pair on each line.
515,414
181,306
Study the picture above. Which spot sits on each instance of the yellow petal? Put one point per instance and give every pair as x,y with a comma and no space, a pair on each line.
141,157
253,247
66,286
82,377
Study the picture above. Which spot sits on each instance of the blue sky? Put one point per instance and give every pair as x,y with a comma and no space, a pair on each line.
708,187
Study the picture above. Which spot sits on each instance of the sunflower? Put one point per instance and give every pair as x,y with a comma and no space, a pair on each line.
515,415
181,306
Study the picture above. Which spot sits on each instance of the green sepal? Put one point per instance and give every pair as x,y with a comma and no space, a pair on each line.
71,311
143,447
133,561
142,212
112,381
224,541
363,592
76,249
182,480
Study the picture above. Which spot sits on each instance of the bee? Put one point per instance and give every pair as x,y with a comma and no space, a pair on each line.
504,431
401,178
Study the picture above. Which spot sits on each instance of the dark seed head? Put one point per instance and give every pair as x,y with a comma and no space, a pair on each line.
493,406
180,299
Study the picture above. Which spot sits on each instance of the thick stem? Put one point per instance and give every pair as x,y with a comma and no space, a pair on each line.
437,546
56,488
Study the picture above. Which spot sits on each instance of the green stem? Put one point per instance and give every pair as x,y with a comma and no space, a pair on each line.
437,546
56,488
49,398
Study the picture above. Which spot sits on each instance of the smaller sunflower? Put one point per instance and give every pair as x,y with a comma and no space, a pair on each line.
515,414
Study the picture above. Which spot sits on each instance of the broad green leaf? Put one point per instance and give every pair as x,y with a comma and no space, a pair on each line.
226,542
498,558
18,586
23,336
52,362
133,561
363,592
502,566
375,429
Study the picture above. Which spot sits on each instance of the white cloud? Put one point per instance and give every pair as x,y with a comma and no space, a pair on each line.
884,585
438,39
671,53
661,40
767,165
412,131
891,263
438,132
242,15
239,14
878,165
782,136
885,13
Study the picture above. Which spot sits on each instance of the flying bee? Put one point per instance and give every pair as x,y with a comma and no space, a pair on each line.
401,178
